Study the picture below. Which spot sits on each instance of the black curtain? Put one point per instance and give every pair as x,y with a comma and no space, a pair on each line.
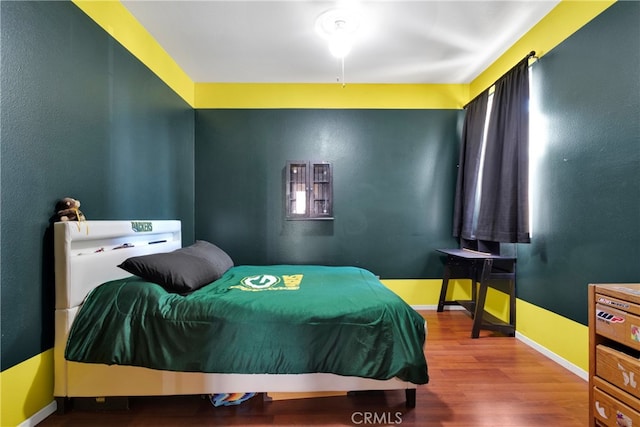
504,201
469,166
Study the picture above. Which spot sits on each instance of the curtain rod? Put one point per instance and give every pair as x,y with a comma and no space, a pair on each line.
531,54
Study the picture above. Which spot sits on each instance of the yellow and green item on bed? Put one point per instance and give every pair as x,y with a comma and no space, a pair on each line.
279,319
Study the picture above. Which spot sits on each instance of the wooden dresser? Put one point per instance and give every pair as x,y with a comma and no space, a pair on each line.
614,355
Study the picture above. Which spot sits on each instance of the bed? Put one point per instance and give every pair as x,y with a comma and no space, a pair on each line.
177,358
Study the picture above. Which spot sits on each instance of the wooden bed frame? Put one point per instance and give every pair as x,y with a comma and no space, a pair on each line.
87,254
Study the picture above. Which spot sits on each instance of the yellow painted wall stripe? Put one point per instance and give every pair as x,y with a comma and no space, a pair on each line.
426,292
565,19
116,20
560,23
309,95
564,337
26,388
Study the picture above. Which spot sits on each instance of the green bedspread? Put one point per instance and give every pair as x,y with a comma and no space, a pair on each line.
282,319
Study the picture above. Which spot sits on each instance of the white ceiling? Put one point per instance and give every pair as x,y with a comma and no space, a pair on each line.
261,41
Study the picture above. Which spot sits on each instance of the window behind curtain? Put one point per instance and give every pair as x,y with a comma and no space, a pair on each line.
492,200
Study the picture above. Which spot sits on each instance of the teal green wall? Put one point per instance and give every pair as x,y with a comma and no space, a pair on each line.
81,117
394,175
586,214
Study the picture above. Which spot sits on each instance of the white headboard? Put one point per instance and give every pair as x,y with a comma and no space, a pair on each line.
88,253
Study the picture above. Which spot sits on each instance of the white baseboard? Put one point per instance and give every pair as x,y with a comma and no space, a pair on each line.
39,416
551,355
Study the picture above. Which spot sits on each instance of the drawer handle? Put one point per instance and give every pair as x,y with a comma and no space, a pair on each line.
628,377
600,410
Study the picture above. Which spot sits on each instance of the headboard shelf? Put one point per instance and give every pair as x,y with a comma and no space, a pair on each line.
88,253
96,246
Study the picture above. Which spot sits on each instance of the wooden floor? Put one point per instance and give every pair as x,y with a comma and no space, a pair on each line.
490,381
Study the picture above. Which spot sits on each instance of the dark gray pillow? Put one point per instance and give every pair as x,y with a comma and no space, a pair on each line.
217,257
183,270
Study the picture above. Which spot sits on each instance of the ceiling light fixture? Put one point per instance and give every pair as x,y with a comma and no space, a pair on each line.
339,27
340,41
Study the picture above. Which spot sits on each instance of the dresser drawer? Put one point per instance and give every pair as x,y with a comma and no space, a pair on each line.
619,369
618,325
625,295
613,413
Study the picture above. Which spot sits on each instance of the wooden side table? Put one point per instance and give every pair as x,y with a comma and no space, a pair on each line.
485,270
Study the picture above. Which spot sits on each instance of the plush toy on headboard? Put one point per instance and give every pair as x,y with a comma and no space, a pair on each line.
68,209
